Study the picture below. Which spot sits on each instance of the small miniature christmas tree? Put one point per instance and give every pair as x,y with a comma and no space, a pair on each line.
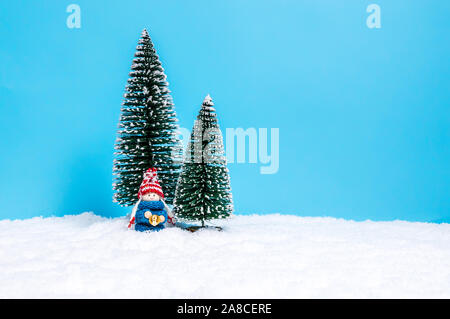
147,129
203,191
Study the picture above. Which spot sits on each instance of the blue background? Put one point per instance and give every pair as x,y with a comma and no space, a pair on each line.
363,113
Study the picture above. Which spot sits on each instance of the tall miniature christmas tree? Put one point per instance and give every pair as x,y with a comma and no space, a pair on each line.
148,127
203,190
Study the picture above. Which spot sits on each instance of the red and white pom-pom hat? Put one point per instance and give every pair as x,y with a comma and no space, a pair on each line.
150,184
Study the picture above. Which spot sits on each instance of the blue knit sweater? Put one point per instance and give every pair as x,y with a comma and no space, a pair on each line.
156,208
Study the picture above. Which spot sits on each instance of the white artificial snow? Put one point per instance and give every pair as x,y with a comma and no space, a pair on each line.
260,256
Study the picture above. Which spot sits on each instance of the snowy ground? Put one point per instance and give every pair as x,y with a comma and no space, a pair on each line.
256,256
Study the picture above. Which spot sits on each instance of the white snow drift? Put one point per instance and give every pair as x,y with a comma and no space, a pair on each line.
255,256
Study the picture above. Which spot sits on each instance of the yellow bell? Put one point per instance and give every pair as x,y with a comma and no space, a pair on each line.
154,220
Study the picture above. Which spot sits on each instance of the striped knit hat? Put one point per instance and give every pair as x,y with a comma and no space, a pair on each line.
150,184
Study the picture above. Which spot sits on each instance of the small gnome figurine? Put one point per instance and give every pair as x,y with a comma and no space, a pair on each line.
150,212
